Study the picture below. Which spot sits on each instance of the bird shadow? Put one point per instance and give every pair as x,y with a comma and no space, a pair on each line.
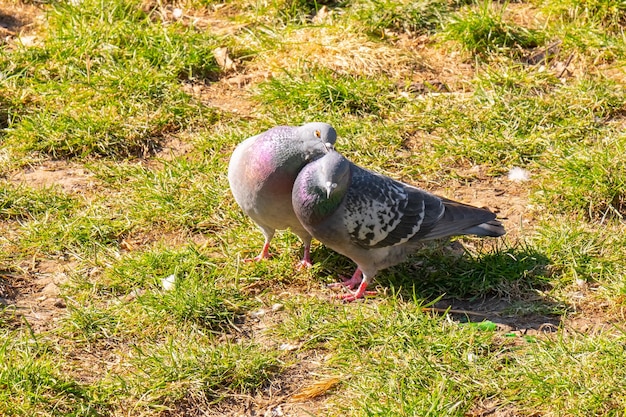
505,284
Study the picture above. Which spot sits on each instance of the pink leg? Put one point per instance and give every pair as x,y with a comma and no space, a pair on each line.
265,254
356,282
350,283
360,293
306,258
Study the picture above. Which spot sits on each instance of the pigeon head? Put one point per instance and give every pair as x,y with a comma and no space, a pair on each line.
321,186
280,153
333,175
315,134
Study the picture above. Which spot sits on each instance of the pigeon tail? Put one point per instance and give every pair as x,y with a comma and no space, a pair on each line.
463,219
492,228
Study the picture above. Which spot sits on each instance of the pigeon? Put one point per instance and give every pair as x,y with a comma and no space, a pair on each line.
375,220
261,173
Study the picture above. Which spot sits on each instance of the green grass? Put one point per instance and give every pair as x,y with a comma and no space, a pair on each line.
33,382
322,91
105,89
400,360
105,82
599,171
482,31
420,17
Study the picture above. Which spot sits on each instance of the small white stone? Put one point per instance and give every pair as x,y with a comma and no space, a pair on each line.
274,412
519,174
177,13
278,307
322,14
28,41
168,282
288,347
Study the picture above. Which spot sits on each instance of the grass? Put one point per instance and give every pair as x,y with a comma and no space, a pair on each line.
482,31
115,95
322,91
128,103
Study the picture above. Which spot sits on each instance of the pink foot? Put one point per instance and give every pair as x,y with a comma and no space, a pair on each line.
355,282
359,293
265,254
306,263
350,283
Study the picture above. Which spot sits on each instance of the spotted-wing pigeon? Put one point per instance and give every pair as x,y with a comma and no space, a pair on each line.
261,173
374,220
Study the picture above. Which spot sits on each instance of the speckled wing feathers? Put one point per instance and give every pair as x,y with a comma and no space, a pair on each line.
381,212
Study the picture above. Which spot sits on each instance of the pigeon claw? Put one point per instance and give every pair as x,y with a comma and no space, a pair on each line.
355,282
349,283
265,254
304,264
360,293
348,298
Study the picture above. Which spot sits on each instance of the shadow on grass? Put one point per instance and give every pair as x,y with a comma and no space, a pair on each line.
4,113
505,285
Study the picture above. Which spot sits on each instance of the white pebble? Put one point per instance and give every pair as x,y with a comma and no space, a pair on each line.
288,347
519,174
168,282
177,13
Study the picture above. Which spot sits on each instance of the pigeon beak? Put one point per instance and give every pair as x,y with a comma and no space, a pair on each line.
329,146
330,186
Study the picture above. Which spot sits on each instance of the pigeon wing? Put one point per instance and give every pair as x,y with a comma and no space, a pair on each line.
382,212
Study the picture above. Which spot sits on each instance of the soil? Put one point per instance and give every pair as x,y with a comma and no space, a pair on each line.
33,290
69,177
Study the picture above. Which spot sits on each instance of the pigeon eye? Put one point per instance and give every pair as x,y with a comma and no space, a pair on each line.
318,134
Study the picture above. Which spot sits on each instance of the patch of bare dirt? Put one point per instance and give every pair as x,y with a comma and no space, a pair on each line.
616,72
33,291
230,94
70,177
493,408
19,21
509,315
173,146
508,199
523,14
302,386
530,315
442,70
299,390
282,397
218,18
342,51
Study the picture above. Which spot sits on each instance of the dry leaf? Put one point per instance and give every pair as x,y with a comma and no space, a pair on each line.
316,389
126,245
223,59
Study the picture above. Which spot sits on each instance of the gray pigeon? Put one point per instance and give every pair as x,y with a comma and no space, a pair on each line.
374,220
261,173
